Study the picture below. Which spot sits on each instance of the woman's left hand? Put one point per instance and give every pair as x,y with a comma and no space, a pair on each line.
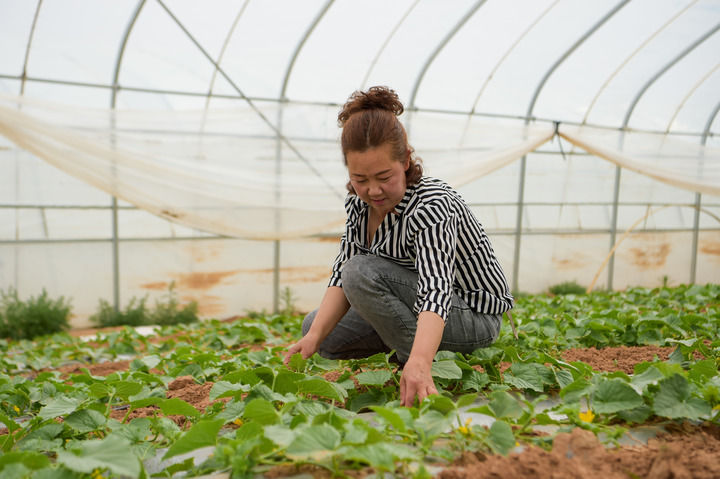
416,381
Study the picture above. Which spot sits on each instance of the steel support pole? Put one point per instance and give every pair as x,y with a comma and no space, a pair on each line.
518,224
613,227
695,237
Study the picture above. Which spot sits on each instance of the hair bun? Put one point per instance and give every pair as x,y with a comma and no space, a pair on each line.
375,98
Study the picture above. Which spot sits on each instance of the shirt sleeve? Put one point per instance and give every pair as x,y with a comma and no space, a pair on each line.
348,248
435,243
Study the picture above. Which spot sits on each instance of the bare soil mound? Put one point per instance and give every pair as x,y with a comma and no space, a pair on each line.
689,452
617,358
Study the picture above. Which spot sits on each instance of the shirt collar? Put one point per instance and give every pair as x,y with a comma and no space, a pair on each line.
400,208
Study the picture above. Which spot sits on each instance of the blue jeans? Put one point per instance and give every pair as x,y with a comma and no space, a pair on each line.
381,295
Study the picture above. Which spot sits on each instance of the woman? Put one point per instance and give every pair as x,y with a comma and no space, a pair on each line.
416,272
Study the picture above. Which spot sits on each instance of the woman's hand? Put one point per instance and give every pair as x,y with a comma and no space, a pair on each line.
416,380
307,346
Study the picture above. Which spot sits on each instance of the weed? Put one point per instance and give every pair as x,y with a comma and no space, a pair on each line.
134,314
34,317
287,298
167,311
568,287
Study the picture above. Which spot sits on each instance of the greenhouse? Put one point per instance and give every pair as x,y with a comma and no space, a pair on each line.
155,150
145,143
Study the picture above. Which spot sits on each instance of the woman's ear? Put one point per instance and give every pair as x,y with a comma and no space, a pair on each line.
406,164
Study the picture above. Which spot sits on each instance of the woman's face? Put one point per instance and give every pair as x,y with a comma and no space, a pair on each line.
378,179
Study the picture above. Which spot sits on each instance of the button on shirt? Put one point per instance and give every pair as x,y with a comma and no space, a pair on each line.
431,232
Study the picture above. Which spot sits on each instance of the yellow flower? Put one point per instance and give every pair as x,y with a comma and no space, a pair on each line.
96,474
238,422
16,409
466,428
587,416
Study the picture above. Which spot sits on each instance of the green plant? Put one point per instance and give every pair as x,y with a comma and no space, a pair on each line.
34,317
567,287
168,311
287,298
134,314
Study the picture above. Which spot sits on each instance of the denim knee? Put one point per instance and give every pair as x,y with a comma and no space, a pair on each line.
307,322
355,274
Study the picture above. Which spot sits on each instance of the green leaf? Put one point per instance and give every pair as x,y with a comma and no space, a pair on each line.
503,404
320,387
563,377
650,376
232,411
227,389
520,383
703,370
125,389
390,416
86,420
248,431
675,400
535,374
315,442
202,434
31,460
262,411
178,407
113,452
286,382
637,415
441,404
501,438
374,455
475,380
59,406
446,369
297,363
466,400
280,435
374,378
373,397
9,423
613,395
433,423
99,390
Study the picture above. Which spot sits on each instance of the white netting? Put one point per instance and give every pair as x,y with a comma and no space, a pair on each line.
674,161
228,172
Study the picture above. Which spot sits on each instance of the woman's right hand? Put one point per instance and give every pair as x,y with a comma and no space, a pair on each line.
307,346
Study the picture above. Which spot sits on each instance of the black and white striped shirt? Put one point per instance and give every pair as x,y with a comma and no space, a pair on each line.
433,233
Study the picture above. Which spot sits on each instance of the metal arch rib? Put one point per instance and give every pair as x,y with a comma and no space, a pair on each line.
645,43
27,48
690,92
574,47
508,52
439,48
250,103
222,50
386,42
711,119
121,51
300,46
664,69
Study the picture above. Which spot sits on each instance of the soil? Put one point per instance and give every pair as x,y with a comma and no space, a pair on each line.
689,452
185,388
618,358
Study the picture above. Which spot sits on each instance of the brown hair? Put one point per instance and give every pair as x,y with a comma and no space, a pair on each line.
369,120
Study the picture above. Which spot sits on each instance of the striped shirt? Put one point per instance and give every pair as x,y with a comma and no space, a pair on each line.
431,232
